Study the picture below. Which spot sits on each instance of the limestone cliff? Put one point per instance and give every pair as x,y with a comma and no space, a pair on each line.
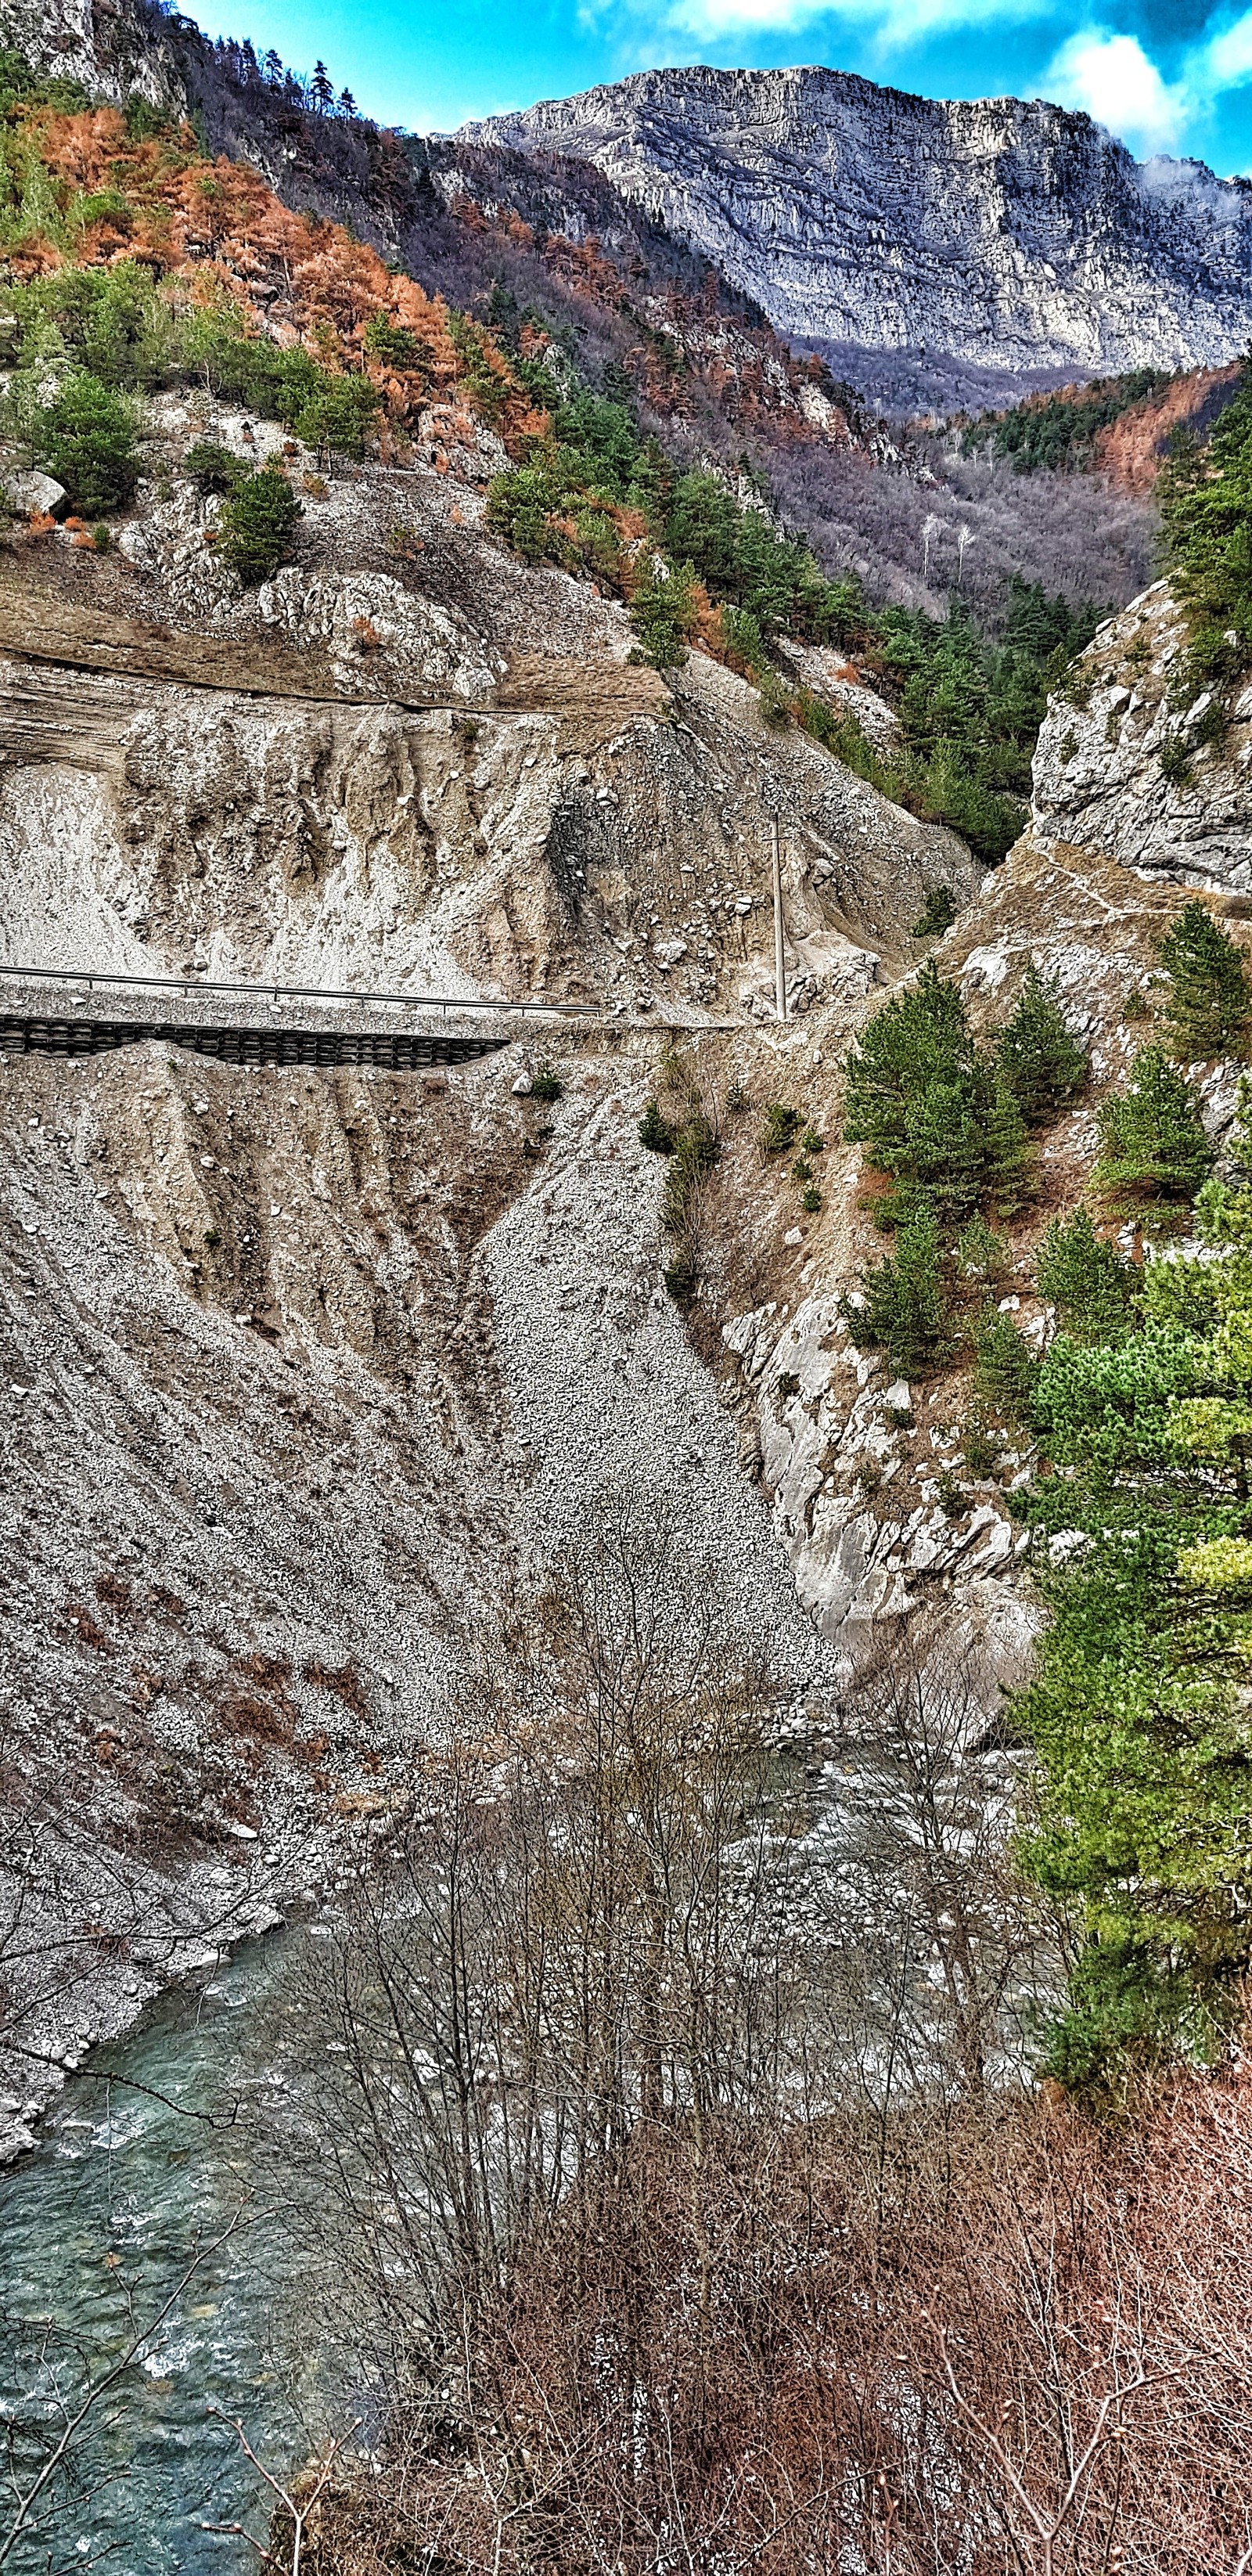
1131,762
1000,231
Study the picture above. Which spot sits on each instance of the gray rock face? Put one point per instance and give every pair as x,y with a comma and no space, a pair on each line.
998,230
114,51
1098,779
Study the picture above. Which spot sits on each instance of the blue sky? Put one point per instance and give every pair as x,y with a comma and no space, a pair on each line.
1166,76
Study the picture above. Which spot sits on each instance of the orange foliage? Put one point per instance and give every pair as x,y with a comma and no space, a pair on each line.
1132,448
215,229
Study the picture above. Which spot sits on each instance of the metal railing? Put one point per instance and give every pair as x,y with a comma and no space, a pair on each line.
88,978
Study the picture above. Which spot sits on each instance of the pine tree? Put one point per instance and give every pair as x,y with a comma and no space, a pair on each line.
1086,1280
322,89
1209,1000
906,1308
347,103
87,439
663,614
273,68
913,1087
1005,1369
1039,1058
1005,1152
1153,1144
258,526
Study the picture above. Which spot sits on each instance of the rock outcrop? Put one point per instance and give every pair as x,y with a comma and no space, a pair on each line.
1000,231
1131,763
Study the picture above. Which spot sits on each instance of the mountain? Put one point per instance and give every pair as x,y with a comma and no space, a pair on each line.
1001,232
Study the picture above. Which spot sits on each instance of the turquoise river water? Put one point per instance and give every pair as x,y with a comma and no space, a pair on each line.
148,2158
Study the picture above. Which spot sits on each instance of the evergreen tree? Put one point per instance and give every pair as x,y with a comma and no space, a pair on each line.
258,526
1153,1145
1086,1280
1039,1059
663,615
1005,1153
336,416
913,1095
907,1309
321,89
655,1130
1005,1369
87,439
1208,1004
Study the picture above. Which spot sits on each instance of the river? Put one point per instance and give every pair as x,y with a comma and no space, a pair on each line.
148,2158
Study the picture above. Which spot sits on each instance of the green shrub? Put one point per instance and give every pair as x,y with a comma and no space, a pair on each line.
811,1142
1039,1059
1153,1145
782,1126
214,469
812,1200
655,1131
775,701
258,526
907,1310
1086,1280
87,439
546,1085
695,1151
937,914
1208,1000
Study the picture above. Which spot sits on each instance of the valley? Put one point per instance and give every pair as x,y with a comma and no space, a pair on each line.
623,1324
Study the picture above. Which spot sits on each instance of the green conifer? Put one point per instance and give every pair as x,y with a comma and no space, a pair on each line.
1153,1145
1208,1001
1005,1369
913,1095
1086,1280
258,526
1005,1152
87,440
906,1308
1039,1057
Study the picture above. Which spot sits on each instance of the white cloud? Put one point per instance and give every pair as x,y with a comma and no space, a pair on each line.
885,24
1117,83
1226,60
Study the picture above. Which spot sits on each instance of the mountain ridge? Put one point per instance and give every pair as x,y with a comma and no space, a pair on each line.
1004,232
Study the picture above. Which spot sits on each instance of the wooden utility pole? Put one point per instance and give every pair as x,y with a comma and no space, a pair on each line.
780,963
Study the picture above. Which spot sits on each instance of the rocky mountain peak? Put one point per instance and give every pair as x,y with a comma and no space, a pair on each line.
1003,232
